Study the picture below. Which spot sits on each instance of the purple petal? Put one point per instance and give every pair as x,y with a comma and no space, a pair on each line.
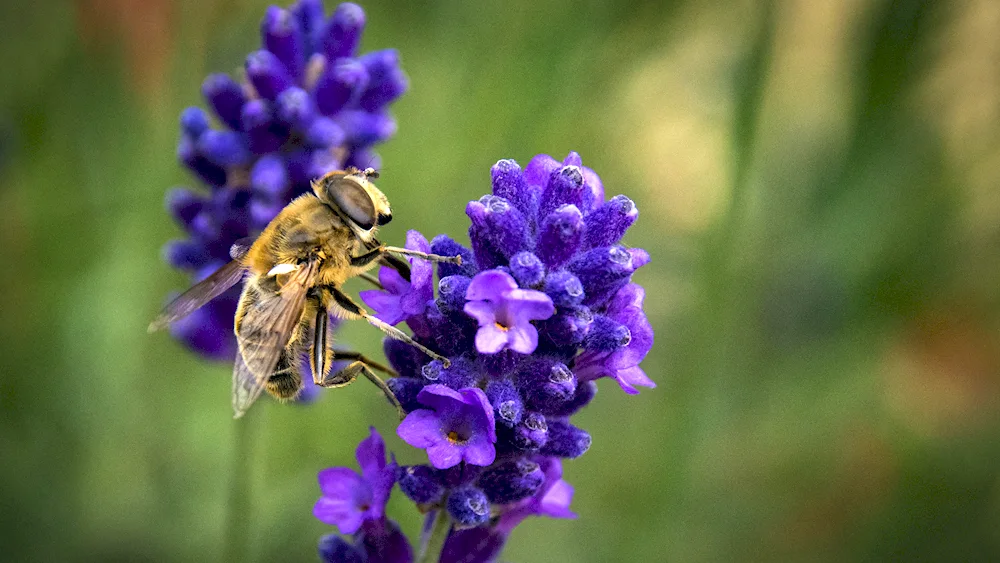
628,378
528,304
522,338
555,503
444,454
491,285
344,515
490,339
482,311
392,281
640,344
421,428
340,482
371,455
387,306
475,396
593,183
479,450
440,397
631,295
381,487
539,169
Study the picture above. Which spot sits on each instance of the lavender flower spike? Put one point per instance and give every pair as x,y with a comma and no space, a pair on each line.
458,427
307,104
504,312
350,499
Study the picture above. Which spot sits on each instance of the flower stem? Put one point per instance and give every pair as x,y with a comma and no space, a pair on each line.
430,552
240,503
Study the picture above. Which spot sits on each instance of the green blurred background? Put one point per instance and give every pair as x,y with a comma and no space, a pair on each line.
817,185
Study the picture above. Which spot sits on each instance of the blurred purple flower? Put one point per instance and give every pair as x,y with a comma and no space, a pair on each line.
308,104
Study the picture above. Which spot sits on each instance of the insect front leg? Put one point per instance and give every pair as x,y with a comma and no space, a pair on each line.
382,250
345,302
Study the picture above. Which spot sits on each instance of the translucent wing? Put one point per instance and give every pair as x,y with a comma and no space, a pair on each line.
201,293
265,329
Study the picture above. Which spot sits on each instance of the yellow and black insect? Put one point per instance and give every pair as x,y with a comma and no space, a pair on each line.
294,273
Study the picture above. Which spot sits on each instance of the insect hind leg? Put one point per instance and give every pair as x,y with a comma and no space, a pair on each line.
362,366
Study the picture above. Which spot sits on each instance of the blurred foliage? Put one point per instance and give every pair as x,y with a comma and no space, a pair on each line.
817,184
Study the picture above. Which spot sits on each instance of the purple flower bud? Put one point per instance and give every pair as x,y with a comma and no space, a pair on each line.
511,481
565,186
184,254
324,133
341,85
564,289
268,76
187,153
420,483
546,383
184,204
383,542
295,108
269,178
469,506
365,128
527,269
585,392
532,433
194,122
280,34
264,134
387,81
263,212
560,235
500,224
405,359
224,148
566,440
226,98
569,326
406,390
335,549
451,294
540,169
207,330
310,17
343,31
607,224
509,183
602,271
607,335
462,373
506,401
473,545
443,245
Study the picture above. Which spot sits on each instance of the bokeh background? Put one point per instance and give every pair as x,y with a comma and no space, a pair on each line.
818,185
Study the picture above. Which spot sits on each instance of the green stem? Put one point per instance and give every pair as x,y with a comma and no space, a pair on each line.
240,503
430,552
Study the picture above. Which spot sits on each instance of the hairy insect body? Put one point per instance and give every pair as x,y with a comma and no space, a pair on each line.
293,274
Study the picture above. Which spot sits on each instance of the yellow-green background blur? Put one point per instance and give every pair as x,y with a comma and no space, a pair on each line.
818,185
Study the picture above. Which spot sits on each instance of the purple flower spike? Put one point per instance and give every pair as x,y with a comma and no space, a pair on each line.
404,299
505,313
458,427
348,498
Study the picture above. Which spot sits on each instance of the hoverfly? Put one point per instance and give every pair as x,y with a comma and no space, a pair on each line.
294,273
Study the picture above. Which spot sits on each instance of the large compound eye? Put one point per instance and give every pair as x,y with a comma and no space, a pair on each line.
347,193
